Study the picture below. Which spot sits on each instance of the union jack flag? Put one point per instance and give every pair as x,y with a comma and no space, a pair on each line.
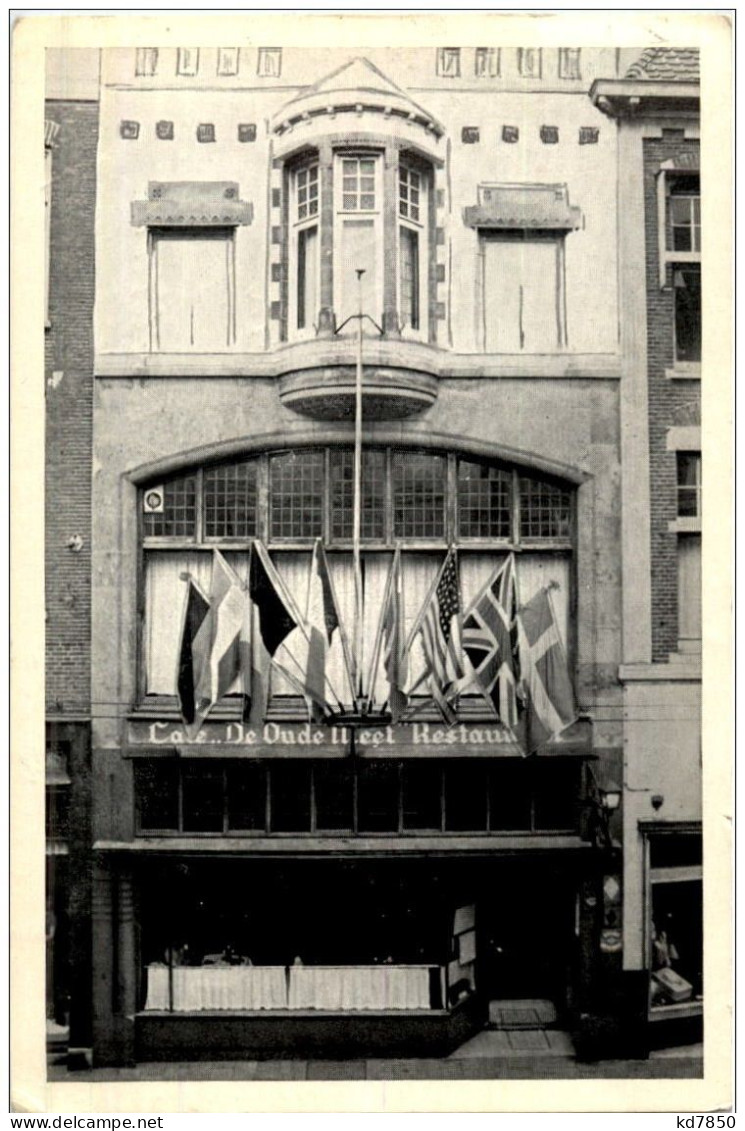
442,639
490,641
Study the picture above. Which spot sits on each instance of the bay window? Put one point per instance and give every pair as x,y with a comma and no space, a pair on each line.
352,211
420,500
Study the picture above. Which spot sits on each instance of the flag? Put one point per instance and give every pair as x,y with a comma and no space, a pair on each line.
489,641
194,650
395,659
441,639
550,706
275,607
209,660
269,619
322,620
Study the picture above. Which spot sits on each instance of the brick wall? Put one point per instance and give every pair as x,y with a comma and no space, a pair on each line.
69,404
670,403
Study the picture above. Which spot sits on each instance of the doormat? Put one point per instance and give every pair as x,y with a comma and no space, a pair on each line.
531,1013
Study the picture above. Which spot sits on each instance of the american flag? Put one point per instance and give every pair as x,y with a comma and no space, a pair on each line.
394,655
441,639
490,641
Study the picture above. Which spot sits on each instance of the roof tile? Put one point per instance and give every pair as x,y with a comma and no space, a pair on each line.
666,64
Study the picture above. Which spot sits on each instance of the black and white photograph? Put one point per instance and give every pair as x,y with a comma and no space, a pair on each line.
372,554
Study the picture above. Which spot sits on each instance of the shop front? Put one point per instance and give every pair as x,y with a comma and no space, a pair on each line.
293,898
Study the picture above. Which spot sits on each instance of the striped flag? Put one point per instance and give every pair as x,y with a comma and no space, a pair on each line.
550,705
442,639
322,619
209,660
194,651
395,660
270,620
490,641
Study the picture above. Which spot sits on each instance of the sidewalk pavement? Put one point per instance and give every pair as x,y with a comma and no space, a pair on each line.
528,1055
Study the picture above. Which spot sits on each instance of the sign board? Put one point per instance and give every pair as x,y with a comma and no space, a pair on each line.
298,740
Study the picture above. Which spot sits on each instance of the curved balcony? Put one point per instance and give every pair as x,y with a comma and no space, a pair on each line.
317,378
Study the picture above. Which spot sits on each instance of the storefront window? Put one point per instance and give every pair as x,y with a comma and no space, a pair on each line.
497,796
675,927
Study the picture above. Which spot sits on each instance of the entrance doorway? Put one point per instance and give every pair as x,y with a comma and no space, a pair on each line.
525,919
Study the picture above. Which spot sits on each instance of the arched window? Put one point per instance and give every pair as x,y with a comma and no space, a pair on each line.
422,501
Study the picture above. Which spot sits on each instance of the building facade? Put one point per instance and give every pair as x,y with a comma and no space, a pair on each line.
656,108
70,153
241,193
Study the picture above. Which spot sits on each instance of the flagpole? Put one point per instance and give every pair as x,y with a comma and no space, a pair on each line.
358,634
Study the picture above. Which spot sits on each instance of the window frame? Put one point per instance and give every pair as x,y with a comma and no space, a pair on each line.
297,226
451,506
528,236
149,545
568,66
671,260
495,771
156,235
363,216
419,227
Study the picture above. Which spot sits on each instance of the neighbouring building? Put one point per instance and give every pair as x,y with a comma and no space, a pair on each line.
70,155
656,110
388,895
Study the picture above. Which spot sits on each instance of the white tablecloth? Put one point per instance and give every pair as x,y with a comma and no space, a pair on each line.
359,987
217,987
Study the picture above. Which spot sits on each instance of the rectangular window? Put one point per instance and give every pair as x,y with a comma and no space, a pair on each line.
687,290
409,269
486,62
57,812
178,515
689,592
358,184
269,62
556,790
522,294
307,277
333,788
689,484
484,501
418,495
529,62
290,797
676,941
448,62
156,792
306,187
246,797
569,63
684,213
510,797
230,501
146,61
227,60
372,519
377,797
545,510
202,798
409,192
297,482
421,790
465,798
193,289
187,61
